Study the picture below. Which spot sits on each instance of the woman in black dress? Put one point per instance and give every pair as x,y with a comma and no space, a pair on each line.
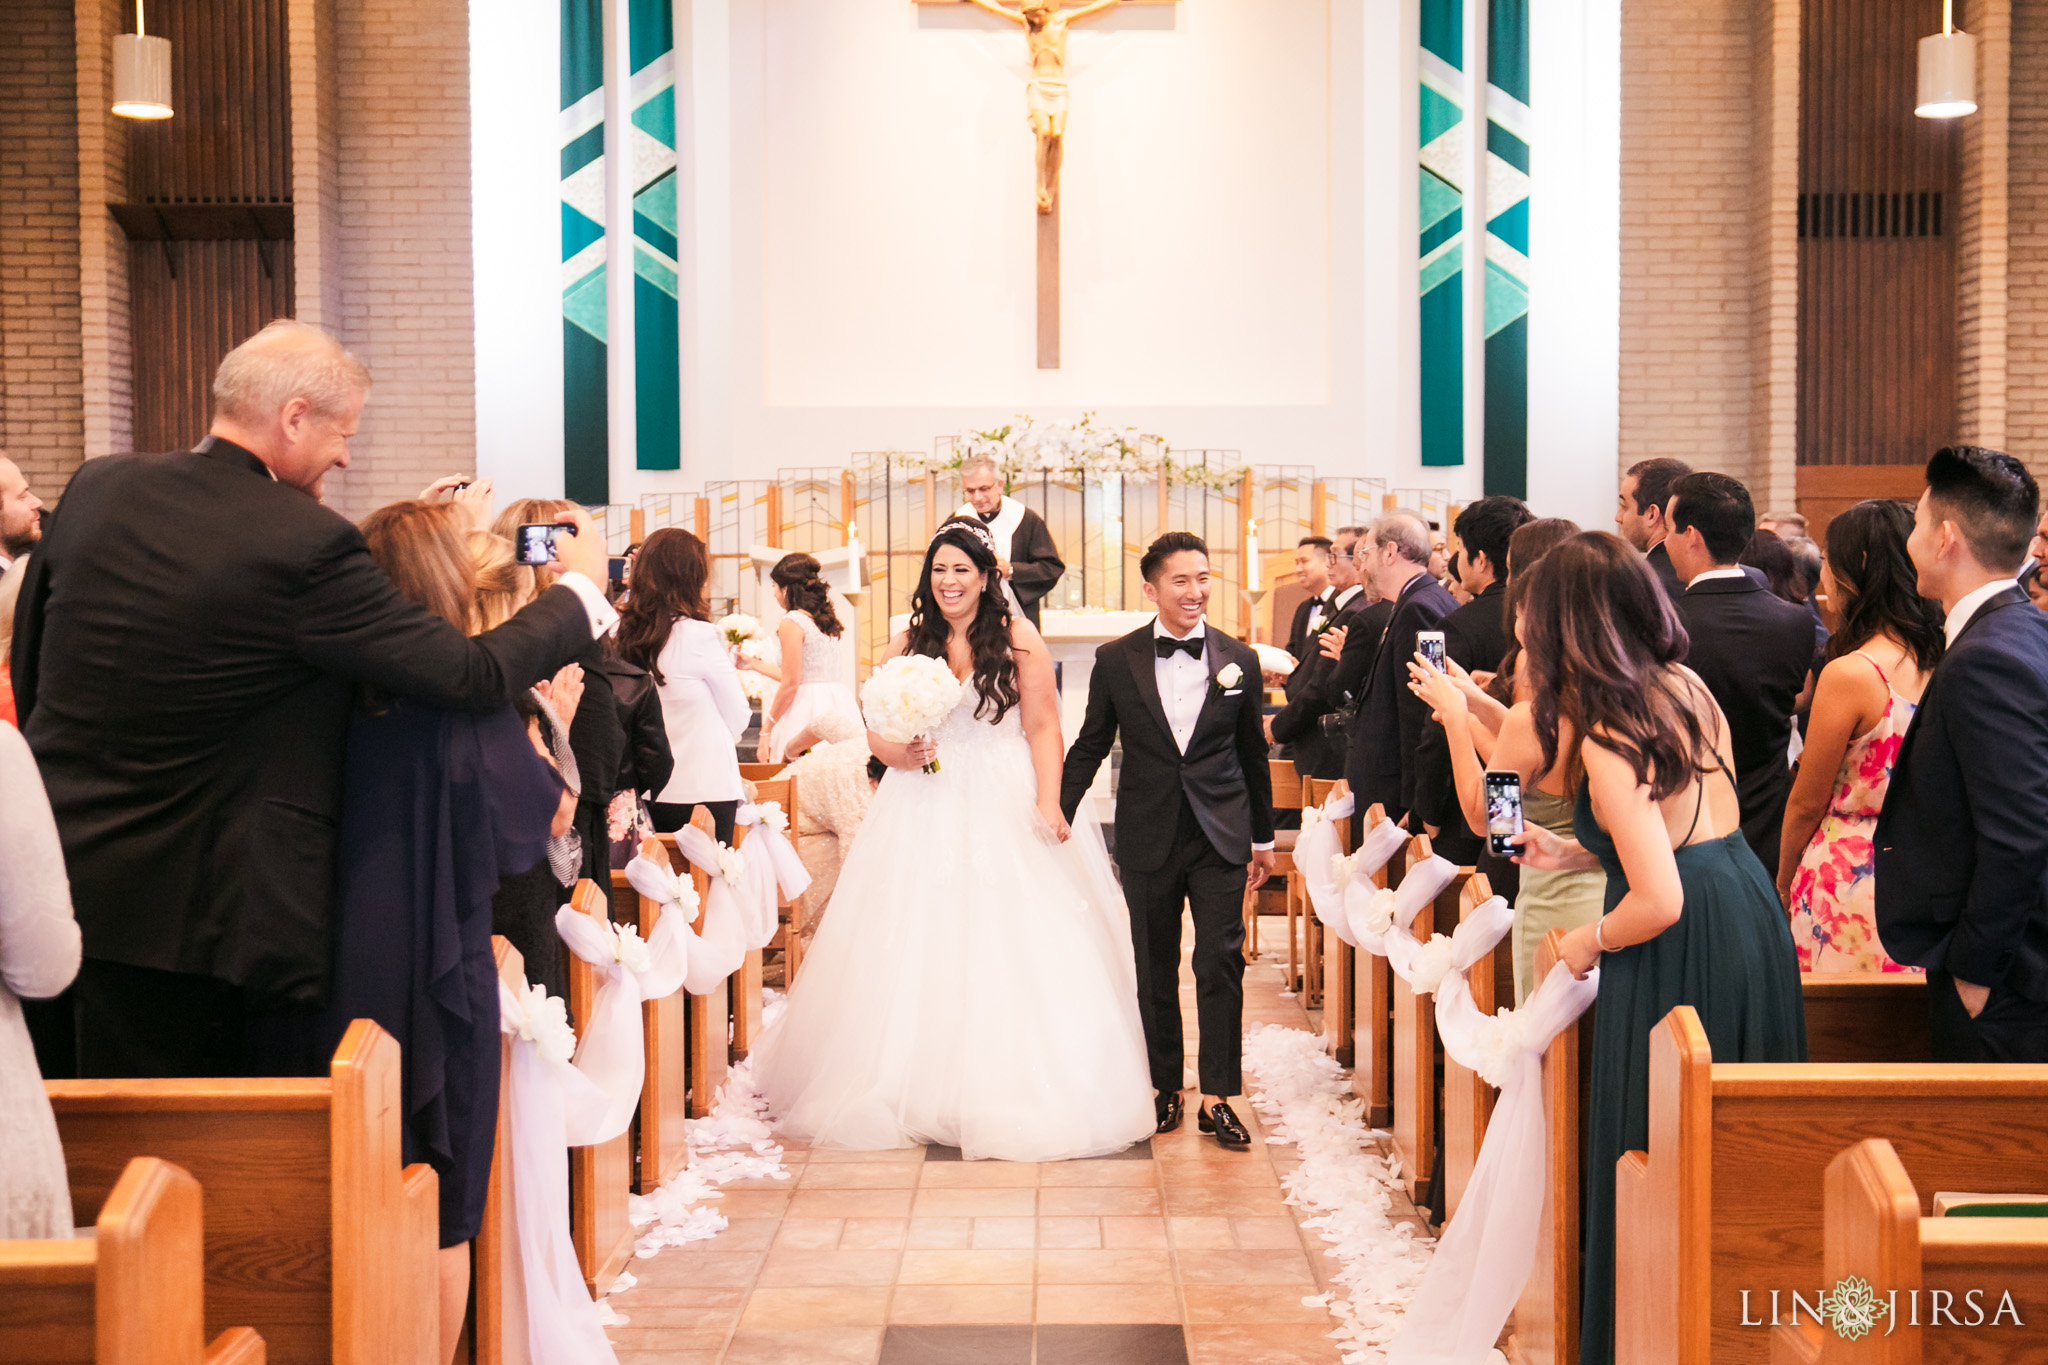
1691,916
437,807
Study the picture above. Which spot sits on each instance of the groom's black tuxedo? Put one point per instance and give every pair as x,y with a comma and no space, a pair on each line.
1186,821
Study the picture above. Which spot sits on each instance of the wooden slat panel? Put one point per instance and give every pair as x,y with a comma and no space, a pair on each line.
191,303
230,141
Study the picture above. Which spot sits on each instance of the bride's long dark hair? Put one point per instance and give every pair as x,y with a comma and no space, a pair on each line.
988,634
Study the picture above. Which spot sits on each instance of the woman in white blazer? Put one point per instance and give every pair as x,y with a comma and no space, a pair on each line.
666,629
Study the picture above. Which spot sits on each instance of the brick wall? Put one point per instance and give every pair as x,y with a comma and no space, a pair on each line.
401,136
1982,224
106,349
1686,231
42,424
2027,243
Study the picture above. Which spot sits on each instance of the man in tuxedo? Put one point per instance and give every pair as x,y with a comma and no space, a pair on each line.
1961,845
1025,554
1388,724
1312,694
1639,515
1354,643
21,515
1312,568
1474,634
184,650
1752,648
1194,818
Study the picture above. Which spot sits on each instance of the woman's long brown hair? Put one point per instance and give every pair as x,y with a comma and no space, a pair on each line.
421,549
668,585
1603,649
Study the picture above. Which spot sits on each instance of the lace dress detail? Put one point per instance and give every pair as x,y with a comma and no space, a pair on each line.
1834,890
824,657
821,687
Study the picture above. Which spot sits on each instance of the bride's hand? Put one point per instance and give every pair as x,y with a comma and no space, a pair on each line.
917,753
1057,823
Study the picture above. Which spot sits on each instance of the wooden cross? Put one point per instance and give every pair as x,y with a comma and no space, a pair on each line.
1045,29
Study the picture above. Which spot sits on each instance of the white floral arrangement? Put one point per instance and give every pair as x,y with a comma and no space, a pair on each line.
1502,1039
906,698
630,949
1340,864
543,1020
756,686
739,628
771,814
1433,962
1028,446
732,864
1379,911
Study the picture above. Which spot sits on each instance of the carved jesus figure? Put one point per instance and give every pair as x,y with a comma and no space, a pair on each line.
1045,29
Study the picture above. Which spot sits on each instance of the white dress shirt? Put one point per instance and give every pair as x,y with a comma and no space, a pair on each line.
1345,596
602,616
704,712
1183,683
1319,610
1733,571
1959,615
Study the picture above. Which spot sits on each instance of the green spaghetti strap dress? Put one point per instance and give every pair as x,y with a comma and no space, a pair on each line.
1730,957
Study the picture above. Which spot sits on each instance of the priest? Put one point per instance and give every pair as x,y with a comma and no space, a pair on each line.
1024,549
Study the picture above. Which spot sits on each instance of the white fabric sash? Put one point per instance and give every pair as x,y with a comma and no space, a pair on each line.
1487,1252
613,1052
551,1105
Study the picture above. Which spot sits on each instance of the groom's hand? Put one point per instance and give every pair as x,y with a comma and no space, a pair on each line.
1260,869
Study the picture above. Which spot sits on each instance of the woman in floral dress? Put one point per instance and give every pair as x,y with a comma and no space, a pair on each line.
1878,663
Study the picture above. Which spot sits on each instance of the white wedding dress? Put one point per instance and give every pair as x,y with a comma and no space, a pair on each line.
971,985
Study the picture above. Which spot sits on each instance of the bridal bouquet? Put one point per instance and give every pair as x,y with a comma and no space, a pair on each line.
739,628
907,697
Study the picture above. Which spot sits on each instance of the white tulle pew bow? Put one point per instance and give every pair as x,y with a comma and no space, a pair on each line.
1484,1258
717,951
553,1106
613,1053
1334,880
771,865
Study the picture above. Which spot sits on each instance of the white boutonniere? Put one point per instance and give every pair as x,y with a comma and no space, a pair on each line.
1229,675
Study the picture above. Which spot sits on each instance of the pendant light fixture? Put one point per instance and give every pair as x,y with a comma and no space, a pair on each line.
142,73
1948,70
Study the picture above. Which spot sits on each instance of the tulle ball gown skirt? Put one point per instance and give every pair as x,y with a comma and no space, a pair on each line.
971,985
812,700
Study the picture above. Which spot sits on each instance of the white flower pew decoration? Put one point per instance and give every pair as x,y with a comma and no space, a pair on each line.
771,866
1375,851
1316,850
551,1106
727,932
613,1052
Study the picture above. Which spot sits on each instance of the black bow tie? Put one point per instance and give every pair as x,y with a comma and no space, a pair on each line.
1166,646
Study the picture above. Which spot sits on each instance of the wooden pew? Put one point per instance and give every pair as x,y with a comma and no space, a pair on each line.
706,1020
497,1288
746,982
1414,1038
599,1175
761,772
1369,993
315,1236
1729,1193
659,1149
1468,1100
1304,949
1850,1017
1288,793
1873,1228
131,1293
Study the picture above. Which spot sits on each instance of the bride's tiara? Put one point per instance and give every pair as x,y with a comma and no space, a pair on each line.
979,531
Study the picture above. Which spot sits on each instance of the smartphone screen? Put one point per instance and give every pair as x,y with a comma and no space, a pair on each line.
1503,812
1431,645
616,570
536,543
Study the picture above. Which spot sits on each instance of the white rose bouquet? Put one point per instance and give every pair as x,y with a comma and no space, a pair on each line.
739,628
906,698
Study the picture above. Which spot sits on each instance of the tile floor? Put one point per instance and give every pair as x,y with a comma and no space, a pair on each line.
1183,1254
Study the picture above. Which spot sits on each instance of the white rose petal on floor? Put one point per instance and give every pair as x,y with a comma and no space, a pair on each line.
1305,1099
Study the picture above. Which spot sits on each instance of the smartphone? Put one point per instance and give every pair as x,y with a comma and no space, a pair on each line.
1431,645
1503,812
616,570
535,542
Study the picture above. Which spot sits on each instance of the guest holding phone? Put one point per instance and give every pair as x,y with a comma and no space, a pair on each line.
666,629
1692,918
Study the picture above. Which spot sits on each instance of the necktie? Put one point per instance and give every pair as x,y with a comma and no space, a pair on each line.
1166,647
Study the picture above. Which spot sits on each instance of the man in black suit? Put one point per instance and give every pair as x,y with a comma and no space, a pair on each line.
1639,515
1312,568
183,653
1752,648
1025,554
1312,696
1962,846
1388,724
1194,818
1354,643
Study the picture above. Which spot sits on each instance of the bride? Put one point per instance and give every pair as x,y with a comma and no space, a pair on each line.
971,985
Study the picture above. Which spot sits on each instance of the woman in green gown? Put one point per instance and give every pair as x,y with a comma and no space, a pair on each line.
1691,916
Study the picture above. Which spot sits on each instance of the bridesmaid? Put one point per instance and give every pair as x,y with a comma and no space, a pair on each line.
1879,659
1691,918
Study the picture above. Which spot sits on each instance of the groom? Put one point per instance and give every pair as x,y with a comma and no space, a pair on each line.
1194,818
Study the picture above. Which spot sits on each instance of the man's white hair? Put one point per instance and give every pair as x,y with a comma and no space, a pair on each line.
979,462
288,360
1406,530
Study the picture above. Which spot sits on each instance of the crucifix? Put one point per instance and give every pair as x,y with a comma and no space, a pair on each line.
1045,31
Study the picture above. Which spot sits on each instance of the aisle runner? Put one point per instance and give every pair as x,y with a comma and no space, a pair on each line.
735,1142
1305,1099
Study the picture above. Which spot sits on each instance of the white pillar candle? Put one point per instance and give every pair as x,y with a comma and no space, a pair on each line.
1251,555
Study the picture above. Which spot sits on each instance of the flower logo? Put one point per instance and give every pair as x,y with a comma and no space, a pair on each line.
1852,1308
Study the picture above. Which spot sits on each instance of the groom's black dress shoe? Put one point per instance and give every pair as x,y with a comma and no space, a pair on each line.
1168,1109
1228,1128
